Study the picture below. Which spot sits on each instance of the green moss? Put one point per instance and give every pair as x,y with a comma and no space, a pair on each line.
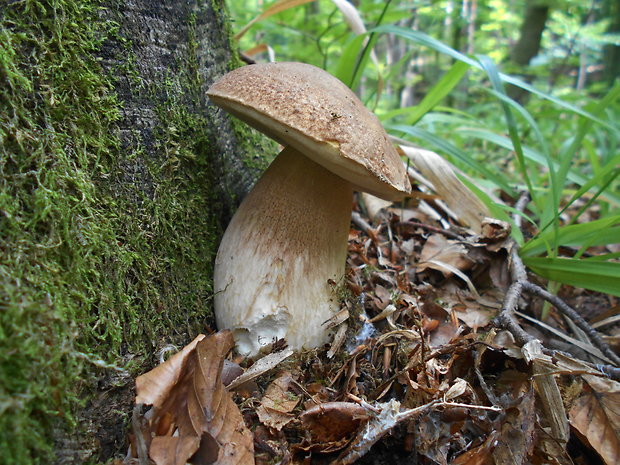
54,129
94,269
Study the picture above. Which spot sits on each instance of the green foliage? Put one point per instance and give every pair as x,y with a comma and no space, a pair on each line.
559,143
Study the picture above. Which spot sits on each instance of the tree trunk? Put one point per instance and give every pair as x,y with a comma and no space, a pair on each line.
532,29
530,37
116,180
612,51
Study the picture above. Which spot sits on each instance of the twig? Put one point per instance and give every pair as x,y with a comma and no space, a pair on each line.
506,318
384,417
428,227
567,310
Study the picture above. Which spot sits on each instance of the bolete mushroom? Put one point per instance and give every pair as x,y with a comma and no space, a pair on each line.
286,245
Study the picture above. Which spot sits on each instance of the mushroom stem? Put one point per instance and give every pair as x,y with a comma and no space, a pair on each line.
286,242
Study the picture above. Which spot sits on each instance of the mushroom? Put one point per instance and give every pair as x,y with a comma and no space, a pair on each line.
285,248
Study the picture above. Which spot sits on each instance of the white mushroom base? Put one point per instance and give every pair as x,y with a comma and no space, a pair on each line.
282,254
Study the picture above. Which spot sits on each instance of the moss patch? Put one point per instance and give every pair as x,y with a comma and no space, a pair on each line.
95,269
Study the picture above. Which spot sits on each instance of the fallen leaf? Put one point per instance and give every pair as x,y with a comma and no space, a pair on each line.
596,416
261,366
548,391
465,204
278,403
153,388
374,205
475,317
333,421
194,419
517,433
459,388
440,249
480,455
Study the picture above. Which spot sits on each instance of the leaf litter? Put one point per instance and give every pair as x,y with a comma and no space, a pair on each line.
419,371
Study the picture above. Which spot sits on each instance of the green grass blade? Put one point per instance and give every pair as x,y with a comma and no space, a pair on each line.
598,232
446,147
426,40
567,155
346,65
527,117
534,155
491,70
363,59
594,275
548,213
445,85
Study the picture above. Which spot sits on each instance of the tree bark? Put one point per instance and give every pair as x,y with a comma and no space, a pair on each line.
530,36
612,51
117,178
176,49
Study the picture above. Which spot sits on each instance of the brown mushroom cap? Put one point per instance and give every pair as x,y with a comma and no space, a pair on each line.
304,106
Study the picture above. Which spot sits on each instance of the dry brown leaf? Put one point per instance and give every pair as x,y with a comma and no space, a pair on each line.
194,419
261,48
495,232
480,455
374,205
154,387
516,437
596,416
439,249
339,339
278,403
332,421
459,388
260,367
475,317
548,391
469,209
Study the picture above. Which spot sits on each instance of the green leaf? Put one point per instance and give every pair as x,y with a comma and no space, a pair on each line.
445,85
537,157
428,41
345,68
444,146
354,66
491,70
597,276
273,9
598,232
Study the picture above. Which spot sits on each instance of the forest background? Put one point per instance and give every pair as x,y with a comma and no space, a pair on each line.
520,96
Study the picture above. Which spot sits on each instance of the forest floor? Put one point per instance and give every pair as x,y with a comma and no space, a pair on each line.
445,351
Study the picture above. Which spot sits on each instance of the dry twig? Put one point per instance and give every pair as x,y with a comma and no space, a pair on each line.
520,283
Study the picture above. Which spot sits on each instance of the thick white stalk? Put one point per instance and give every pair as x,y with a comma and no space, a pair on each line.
281,254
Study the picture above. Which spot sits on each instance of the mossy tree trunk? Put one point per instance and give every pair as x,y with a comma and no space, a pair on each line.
116,179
